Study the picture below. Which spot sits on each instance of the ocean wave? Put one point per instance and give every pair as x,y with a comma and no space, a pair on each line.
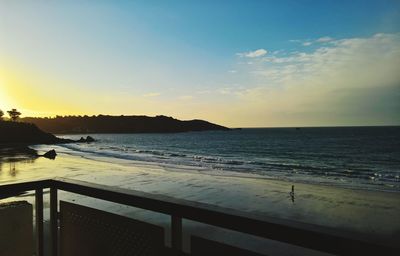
324,156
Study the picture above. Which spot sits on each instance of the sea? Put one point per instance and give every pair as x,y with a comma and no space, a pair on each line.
345,178
350,157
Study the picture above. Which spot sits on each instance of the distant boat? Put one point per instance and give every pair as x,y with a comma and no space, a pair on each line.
297,128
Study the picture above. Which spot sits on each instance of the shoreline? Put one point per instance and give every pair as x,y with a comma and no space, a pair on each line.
27,155
22,156
345,168
224,173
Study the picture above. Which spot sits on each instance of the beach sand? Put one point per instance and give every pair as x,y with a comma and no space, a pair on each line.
372,214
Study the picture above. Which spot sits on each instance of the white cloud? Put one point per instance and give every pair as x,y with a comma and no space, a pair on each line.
152,94
324,39
204,92
185,97
333,84
308,42
253,54
225,90
345,55
277,52
232,71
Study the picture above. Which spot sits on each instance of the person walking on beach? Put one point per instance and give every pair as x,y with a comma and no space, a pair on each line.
292,194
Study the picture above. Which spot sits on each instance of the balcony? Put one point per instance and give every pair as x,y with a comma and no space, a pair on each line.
80,230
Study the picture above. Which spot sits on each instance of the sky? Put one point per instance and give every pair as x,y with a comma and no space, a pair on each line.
236,63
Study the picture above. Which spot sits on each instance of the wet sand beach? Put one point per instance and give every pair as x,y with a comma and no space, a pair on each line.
372,214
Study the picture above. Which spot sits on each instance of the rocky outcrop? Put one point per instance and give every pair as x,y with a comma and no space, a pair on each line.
87,140
15,138
50,154
10,152
26,134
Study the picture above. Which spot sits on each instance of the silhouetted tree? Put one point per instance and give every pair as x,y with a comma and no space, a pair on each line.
14,114
1,114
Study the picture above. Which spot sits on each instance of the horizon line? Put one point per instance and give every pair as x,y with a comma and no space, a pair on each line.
231,127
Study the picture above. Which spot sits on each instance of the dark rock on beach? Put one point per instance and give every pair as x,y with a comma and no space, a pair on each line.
16,137
15,152
50,154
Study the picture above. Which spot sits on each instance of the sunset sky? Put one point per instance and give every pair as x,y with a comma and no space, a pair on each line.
236,63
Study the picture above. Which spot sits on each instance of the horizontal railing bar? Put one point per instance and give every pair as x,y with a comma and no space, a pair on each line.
12,189
301,234
292,232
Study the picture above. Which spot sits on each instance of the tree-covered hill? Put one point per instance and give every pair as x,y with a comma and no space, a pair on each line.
119,124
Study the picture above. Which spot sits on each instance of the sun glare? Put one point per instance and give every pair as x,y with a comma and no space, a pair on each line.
5,102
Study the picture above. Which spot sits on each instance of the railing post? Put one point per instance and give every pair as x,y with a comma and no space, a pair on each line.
39,221
54,221
176,233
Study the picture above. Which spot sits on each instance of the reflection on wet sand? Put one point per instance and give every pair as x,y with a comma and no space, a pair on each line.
13,171
13,166
13,157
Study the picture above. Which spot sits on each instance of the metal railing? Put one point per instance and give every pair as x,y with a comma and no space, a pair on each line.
295,233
